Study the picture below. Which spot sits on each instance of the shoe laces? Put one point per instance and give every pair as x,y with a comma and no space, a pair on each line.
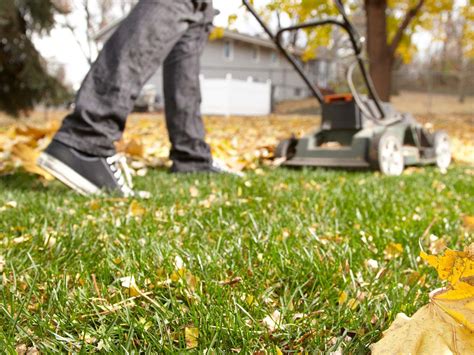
122,173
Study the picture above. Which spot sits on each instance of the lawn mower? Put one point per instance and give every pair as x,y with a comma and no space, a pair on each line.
357,131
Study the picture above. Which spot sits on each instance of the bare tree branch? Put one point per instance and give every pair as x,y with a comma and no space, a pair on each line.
81,47
409,16
90,26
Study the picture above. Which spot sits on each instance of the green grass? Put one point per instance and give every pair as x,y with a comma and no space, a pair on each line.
296,238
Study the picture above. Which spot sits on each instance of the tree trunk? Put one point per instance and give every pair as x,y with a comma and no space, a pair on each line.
462,79
380,56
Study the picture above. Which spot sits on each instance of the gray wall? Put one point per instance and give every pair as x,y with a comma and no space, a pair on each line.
244,63
286,82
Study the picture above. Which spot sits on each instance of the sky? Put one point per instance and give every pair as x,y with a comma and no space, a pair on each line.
61,45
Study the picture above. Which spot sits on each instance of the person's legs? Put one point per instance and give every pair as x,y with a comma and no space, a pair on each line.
82,154
189,151
132,54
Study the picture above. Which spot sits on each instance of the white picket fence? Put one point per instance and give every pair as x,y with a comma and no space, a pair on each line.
235,97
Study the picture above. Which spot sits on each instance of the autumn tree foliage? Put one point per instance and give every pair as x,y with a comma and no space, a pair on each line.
390,26
24,78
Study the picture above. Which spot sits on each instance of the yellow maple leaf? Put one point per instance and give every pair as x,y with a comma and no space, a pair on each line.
454,266
191,335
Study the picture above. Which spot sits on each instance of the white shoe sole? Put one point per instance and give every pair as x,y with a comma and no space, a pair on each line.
66,175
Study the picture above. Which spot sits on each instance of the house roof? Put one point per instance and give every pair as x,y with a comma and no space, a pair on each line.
255,40
228,34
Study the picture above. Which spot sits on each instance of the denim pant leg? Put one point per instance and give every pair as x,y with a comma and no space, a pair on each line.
189,150
129,58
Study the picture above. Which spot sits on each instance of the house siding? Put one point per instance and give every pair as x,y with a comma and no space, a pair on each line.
242,64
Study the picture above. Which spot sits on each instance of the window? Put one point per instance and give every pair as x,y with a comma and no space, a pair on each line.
298,92
274,58
228,50
256,54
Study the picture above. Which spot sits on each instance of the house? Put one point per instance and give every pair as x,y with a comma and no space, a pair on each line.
242,56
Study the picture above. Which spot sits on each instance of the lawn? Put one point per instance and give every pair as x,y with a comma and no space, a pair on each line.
281,260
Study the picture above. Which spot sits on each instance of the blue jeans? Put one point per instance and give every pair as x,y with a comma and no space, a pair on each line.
171,33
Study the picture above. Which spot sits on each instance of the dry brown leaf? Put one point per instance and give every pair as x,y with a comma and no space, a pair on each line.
446,324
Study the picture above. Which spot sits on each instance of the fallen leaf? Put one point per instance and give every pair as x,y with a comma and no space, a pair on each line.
437,245
28,157
136,210
193,191
342,298
372,264
178,262
427,332
272,322
393,250
446,324
352,304
178,274
49,241
231,282
129,283
11,204
21,349
453,266
191,335
469,222
249,299
21,239
135,148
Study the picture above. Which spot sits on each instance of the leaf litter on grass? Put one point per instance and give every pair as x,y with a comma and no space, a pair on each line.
241,142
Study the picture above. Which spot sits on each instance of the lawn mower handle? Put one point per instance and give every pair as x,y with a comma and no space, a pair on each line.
346,25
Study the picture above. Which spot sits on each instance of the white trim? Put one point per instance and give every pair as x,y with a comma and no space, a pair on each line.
66,175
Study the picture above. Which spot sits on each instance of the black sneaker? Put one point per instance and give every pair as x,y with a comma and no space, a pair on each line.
87,174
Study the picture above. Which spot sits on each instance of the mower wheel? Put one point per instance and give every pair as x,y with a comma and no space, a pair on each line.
442,146
286,148
386,154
